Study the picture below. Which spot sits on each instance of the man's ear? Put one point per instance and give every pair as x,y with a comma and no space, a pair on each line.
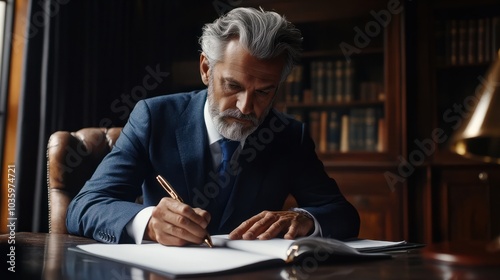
204,68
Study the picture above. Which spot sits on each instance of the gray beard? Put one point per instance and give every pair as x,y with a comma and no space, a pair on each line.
235,130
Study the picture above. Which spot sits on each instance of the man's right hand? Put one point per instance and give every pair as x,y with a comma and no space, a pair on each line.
177,224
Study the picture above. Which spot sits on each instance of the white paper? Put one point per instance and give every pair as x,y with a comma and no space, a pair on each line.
367,243
176,260
226,255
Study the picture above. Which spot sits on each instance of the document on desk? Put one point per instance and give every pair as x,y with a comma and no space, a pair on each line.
227,255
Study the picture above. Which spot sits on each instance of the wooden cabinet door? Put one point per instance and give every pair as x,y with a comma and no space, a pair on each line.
382,209
467,204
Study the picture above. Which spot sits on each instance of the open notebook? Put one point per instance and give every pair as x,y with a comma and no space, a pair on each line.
232,255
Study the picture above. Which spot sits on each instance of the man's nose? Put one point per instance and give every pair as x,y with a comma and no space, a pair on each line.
245,102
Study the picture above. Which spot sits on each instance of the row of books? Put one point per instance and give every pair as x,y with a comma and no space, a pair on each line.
331,81
357,129
468,41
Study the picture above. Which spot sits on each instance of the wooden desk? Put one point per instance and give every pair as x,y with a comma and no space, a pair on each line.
45,256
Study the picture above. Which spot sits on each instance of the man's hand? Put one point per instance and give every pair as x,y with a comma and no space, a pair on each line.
267,225
175,223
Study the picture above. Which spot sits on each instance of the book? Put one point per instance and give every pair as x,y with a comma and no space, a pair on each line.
330,82
472,41
344,133
453,29
339,81
323,131
319,91
348,94
462,41
236,255
381,135
333,132
370,127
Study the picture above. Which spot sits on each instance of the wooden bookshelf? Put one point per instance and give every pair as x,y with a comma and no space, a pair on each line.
372,102
454,45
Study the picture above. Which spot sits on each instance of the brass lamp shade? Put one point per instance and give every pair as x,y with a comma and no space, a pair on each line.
479,135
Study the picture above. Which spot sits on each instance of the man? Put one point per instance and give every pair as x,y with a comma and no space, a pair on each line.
246,55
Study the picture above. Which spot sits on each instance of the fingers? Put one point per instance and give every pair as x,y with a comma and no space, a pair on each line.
175,223
203,214
267,225
252,227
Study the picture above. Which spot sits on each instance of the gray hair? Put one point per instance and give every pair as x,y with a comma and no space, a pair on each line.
263,34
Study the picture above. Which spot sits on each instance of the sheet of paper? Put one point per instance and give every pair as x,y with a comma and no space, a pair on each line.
275,247
176,260
367,243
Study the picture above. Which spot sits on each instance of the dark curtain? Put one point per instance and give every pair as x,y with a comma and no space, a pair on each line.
84,65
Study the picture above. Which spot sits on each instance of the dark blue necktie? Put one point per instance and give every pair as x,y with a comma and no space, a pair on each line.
227,170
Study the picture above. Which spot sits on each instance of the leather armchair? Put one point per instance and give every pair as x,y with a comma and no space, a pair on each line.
72,158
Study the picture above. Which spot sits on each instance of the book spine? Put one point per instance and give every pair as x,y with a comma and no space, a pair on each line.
462,41
297,85
314,80
361,130
344,134
472,41
323,135
320,82
330,82
453,42
333,132
371,129
339,87
487,40
349,83
480,40
353,129
382,135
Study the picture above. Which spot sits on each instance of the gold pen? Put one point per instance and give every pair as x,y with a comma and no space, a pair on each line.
170,190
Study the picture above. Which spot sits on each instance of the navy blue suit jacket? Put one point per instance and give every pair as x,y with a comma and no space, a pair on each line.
167,135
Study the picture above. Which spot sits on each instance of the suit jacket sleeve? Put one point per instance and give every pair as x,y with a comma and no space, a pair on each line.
106,204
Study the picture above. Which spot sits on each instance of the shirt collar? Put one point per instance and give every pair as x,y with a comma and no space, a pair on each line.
213,134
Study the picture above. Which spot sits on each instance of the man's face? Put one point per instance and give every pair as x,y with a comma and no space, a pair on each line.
241,89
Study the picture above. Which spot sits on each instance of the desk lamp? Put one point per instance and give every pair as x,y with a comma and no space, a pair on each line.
477,138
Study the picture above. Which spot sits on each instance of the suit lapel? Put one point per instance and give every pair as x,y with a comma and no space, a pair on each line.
192,147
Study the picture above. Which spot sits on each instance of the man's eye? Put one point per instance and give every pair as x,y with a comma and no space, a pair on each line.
263,92
233,86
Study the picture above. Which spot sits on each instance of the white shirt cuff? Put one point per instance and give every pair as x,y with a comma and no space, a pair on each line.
317,227
137,226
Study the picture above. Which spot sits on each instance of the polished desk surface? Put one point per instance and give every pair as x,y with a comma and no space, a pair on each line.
46,256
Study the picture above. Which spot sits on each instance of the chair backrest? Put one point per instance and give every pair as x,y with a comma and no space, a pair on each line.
72,158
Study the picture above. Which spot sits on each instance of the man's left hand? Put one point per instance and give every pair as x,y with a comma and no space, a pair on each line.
271,224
